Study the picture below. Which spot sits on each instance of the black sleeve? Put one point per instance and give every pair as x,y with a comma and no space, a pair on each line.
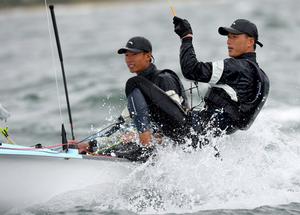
193,69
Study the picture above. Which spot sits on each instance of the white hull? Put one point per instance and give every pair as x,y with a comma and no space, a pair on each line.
28,152
29,177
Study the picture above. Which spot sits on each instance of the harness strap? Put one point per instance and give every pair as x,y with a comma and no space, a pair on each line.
157,97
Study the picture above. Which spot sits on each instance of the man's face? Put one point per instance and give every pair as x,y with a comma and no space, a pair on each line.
137,62
239,44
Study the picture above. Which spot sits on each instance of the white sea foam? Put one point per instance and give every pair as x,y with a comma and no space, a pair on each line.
257,167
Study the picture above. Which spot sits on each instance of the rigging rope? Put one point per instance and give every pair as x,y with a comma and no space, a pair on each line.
54,65
172,8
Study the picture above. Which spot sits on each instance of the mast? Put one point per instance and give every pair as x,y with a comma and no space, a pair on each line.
51,7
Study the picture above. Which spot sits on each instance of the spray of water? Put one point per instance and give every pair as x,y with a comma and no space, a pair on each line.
257,167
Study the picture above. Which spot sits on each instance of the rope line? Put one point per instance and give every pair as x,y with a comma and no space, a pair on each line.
172,8
54,65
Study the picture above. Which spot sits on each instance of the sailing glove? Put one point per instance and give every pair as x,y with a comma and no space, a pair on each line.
182,27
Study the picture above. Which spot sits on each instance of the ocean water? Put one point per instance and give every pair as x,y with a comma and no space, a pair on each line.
259,169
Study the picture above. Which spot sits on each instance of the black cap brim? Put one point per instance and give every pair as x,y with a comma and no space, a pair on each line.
259,43
124,50
226,30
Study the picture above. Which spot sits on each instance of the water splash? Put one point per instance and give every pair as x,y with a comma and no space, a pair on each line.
257,167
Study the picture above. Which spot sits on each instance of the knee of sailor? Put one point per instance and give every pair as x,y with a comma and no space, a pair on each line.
131,84
135,93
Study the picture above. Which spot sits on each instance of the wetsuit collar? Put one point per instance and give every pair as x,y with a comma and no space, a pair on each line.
149,71
249,56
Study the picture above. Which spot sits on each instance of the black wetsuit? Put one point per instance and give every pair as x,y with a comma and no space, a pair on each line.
151,105
149,101
238,89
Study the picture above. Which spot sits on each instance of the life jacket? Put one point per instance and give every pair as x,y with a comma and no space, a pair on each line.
242,113
168,114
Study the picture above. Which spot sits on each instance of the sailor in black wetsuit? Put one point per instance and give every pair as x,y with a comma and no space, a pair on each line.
154,96
239,87
156,102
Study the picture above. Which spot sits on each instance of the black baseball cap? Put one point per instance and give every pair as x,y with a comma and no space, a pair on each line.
241,26
137,45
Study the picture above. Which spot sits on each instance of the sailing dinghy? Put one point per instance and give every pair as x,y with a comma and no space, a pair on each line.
19,151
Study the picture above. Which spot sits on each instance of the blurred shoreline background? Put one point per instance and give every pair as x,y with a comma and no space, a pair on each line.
8,4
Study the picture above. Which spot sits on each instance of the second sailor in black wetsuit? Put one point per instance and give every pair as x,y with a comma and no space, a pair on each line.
239,87
156,98
156,102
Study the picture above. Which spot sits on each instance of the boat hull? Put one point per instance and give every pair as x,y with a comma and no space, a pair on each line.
30,177
13,150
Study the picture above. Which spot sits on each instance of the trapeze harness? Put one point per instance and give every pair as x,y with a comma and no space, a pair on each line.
242,114
169,115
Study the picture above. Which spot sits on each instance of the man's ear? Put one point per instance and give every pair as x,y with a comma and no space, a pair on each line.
149,56
251,42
